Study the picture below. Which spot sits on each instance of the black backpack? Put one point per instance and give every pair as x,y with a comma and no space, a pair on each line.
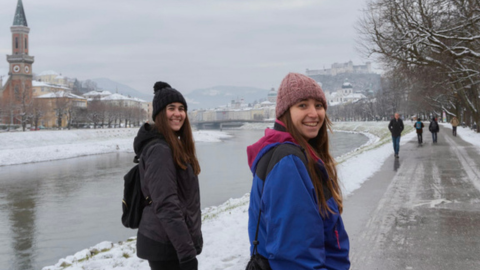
133,199
434,125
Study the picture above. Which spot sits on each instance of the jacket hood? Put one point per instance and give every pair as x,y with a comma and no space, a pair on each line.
144,135
271,138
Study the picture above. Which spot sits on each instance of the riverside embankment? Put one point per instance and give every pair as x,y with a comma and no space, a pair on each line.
222,224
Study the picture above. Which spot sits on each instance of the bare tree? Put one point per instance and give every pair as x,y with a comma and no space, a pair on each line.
8,108
89,85
39,109
112,114
22,107
71,114
438,36
62,105
96,112
77,88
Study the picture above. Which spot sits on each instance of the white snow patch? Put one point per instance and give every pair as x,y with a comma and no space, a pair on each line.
45,145
210,136
360,166
465,133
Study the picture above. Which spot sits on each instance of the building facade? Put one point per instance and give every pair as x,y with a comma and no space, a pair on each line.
272,96
343,95
41,88
16,95
53,78
60,108
238,111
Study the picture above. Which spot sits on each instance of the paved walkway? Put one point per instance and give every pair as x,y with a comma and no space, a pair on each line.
421,211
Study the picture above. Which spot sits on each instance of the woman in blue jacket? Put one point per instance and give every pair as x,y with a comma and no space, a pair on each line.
296,194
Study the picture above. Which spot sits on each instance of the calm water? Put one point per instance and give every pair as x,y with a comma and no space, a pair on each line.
53,209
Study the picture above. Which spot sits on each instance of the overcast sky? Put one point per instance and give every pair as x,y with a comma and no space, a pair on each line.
190,44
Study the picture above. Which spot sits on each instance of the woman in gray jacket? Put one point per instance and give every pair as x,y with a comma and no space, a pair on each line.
169,235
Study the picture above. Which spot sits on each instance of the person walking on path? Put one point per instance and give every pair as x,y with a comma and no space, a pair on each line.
454,123
169,235
421,214
434,129
419,127
396,127
296,202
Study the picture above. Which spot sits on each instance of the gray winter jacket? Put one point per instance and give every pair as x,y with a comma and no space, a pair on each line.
170,228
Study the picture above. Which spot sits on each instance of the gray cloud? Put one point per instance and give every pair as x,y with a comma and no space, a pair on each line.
190,44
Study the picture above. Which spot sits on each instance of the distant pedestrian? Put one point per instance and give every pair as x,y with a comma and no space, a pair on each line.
396,127
455,124
434,129
169,235
419,127
296,202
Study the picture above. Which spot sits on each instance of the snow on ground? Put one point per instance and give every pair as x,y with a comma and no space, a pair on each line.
209,136
257,126
465,133
226,244
224,248
356,166
45,145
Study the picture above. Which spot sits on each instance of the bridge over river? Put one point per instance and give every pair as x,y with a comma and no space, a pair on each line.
220,124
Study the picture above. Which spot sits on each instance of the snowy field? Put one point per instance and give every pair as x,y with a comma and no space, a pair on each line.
224,247
38,146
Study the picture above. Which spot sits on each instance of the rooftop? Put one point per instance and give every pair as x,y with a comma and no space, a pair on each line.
60,94
48,72
20,19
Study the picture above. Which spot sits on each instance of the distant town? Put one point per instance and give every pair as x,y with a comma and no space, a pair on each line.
49,99
264,110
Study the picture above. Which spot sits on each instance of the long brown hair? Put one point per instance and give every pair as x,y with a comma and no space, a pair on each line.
181,142
320,146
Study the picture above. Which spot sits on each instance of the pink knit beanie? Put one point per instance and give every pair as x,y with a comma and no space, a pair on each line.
294,88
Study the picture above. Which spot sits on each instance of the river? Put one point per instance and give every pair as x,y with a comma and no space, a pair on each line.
53,209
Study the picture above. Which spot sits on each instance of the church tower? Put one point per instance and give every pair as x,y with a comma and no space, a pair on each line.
18,89
20,61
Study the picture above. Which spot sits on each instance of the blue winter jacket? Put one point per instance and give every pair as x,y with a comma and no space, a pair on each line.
292,233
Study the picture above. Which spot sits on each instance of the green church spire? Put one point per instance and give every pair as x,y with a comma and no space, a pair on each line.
20,18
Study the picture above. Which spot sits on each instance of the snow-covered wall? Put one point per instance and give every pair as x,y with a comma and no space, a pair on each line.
38,146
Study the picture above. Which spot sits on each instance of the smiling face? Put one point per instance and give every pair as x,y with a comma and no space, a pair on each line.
175,115
308,116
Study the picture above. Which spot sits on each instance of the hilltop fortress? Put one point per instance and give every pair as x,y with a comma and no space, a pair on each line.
338,68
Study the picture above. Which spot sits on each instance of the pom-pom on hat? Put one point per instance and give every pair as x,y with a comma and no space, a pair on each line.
164,95
296,87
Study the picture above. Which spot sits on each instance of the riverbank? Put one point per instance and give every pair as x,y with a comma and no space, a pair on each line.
45,145
221,224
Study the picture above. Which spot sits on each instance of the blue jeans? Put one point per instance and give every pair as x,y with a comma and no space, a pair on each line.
396,144
434,136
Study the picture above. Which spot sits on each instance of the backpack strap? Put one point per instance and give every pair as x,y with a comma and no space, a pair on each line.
274,155
152,141
265,166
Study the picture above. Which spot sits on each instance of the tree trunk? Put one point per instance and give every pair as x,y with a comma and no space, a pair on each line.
24,123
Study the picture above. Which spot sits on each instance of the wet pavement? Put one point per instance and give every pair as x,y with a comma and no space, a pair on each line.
421,211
